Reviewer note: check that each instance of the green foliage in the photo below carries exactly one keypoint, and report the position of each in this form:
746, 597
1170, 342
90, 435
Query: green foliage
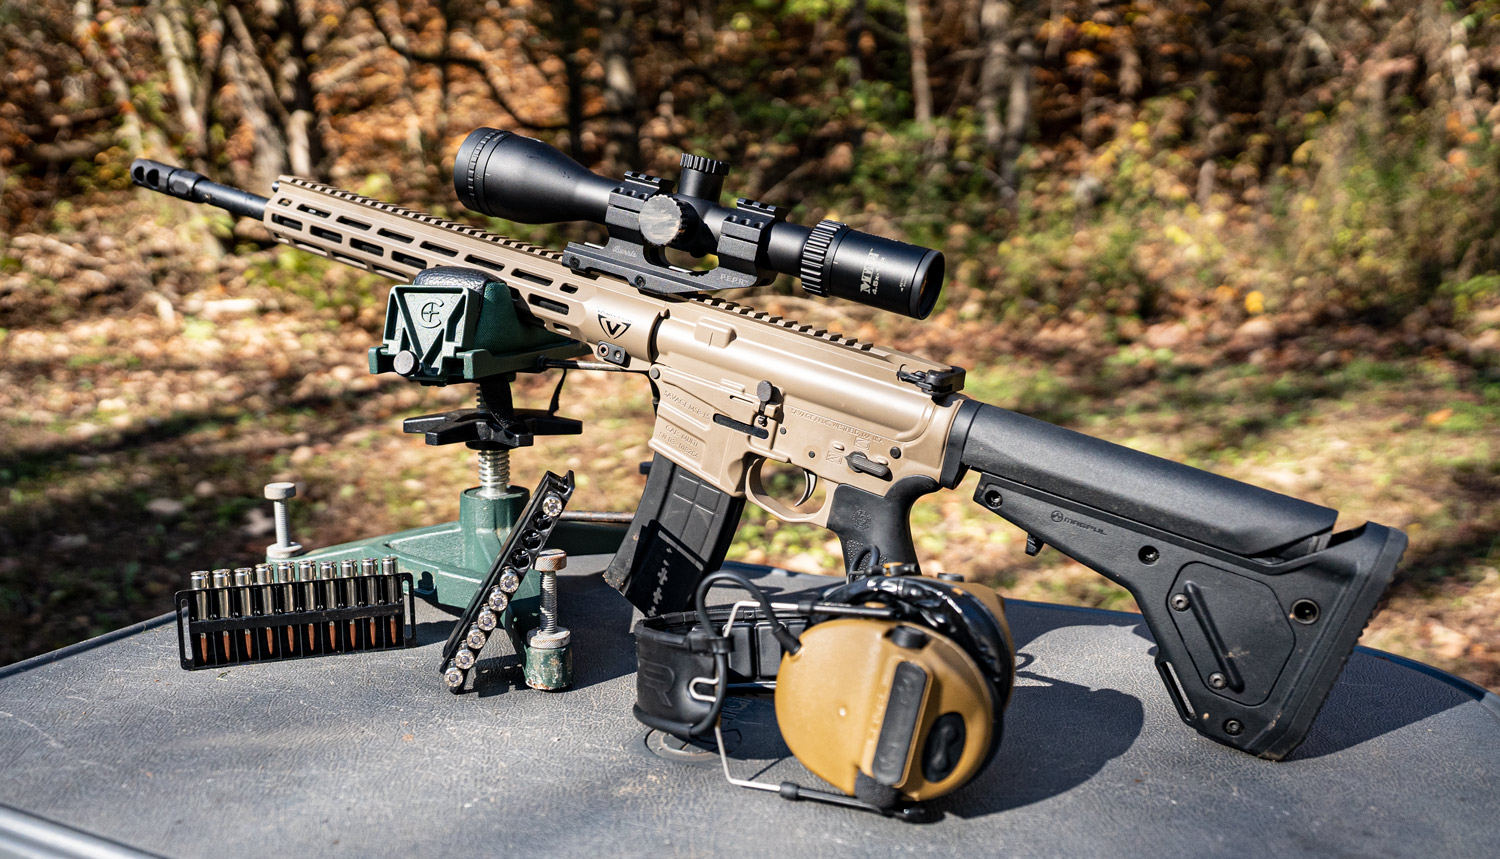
1384, 225
322, 282
1469, 294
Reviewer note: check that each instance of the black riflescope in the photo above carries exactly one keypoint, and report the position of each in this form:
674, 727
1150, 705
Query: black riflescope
518, 178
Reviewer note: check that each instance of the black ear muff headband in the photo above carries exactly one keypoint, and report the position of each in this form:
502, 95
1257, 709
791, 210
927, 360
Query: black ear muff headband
946, 608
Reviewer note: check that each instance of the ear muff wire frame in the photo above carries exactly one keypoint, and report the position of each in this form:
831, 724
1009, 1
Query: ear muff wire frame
720, 681
791, 791
783, 610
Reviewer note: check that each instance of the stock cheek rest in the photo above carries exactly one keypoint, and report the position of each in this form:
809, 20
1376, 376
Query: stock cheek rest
1176, 498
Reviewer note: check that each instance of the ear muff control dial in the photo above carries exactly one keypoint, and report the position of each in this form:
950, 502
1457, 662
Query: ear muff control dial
944, 747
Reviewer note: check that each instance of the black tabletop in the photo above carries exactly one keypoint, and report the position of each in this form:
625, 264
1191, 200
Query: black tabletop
368, 753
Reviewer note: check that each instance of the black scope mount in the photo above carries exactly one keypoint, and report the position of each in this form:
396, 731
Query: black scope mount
518, 178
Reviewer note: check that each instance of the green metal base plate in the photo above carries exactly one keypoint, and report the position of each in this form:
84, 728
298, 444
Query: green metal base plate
448, 561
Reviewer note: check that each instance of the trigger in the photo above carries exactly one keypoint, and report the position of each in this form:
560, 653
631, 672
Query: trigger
810, 485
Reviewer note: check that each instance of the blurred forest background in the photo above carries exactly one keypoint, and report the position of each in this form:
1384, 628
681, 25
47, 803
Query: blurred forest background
1258, 236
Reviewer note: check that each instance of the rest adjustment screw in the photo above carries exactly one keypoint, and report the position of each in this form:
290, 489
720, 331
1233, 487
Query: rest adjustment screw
284, 548
549, 648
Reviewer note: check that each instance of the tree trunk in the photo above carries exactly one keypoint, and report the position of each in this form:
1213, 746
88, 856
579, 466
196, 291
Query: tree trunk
1311, 44
193, 130
269, 159
994, 32
565, 15
391, 27
1017, 118
210, 40
1463, 69
853, 32
86, 34
1130, 65
440, 122
704, 22
304, 146
615, 21
1207, 103
921, 84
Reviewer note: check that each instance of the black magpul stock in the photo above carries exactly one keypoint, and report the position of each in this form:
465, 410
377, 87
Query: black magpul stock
1253, 601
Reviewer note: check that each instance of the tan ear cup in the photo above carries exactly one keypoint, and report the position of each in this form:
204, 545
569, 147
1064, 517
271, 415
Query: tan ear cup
881, 709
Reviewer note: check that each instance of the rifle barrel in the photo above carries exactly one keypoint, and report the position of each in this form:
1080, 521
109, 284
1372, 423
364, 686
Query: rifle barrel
195, 188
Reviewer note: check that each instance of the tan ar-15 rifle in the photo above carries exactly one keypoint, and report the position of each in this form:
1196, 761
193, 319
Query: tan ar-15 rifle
1253, 601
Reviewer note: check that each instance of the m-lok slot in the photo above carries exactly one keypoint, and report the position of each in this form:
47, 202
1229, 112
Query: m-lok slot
536, 279
496, 267
408, 259
546, 303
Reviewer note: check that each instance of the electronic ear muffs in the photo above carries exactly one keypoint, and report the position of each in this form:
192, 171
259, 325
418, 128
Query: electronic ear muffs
885, 711
890, 688
901, 710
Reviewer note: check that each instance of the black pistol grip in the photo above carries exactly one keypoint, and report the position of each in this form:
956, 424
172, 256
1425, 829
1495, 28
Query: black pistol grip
680, 534
876, 529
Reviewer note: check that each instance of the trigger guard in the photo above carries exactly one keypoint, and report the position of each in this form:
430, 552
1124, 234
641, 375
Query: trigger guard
797, 513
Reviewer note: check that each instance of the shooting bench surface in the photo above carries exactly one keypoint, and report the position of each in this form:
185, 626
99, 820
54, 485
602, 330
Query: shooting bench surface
369, 754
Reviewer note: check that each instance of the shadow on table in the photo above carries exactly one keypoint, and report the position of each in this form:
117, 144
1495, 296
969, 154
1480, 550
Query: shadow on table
1364, 704
1057, 736
433, 631
1373, 698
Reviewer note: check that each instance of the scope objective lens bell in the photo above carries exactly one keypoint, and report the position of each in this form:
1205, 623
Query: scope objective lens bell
518, 178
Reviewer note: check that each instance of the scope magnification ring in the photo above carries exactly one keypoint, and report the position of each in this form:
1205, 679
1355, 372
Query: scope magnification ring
815, 255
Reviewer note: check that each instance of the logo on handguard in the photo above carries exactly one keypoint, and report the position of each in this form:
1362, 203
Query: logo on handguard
612, 326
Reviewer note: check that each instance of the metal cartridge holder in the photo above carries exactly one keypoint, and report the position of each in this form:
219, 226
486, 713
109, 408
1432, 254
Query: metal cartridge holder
492, 606
292, 610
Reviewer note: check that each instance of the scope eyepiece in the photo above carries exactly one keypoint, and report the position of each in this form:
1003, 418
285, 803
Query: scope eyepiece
847, 263
521, 179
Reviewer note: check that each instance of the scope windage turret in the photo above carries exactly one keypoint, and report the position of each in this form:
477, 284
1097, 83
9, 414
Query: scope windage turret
518, 178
